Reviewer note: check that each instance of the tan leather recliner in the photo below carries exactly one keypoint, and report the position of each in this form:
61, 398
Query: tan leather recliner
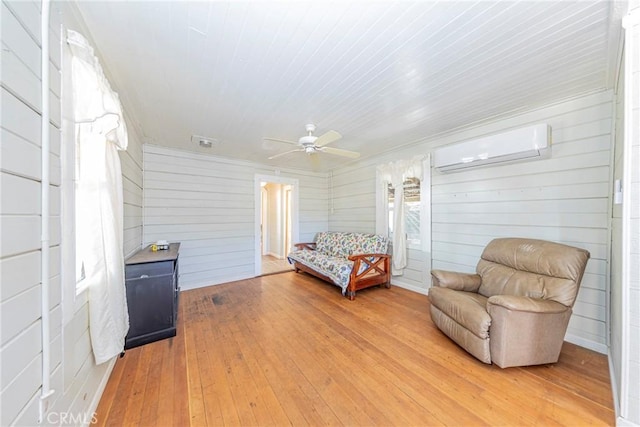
516, 309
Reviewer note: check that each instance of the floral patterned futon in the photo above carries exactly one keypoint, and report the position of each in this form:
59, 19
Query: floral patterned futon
332, 251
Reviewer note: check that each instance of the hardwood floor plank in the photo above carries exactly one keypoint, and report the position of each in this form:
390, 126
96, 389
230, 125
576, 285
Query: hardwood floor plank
368, 389
412, 384
369, 344
240, 389
264, 388
279, 347
149, 412
136, 401
288, 349
341, 396
212, 380
589, 365
177, 346
167, 380
496, 398
110, 391
195, 398
116, 414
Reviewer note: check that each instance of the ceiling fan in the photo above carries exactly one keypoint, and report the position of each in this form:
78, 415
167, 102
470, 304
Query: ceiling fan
311, 144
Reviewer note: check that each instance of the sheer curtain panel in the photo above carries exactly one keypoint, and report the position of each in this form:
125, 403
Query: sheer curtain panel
395, 174
100, 132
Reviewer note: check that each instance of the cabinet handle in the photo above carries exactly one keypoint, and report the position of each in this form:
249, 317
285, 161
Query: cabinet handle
144, 276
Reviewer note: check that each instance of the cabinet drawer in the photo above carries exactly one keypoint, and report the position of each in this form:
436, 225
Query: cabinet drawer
136, 271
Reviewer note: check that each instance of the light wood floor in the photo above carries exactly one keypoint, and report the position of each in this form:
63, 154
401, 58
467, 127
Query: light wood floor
288, 349
272, 265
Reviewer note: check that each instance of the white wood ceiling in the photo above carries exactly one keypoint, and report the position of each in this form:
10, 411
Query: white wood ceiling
381, 73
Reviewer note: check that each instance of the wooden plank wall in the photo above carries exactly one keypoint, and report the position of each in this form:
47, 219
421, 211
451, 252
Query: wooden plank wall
632, 196
74, 376
207, 204
616, 283
131, 164
20, 169
565, 198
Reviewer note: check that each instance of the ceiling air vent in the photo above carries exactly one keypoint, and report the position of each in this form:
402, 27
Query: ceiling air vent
203, 141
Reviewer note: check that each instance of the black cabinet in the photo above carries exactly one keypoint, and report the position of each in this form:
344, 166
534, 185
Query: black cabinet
152, 295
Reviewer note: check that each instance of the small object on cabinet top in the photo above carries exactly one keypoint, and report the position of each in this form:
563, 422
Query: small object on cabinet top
148, 255
162, 245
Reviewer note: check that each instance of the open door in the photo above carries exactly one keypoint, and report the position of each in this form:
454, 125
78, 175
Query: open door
264, 194
276, 222
287, 232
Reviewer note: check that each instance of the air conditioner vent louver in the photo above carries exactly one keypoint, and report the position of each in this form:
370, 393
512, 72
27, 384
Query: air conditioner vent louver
532, 142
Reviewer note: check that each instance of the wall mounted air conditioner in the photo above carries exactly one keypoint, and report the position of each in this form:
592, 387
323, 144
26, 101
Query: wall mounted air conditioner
532, 142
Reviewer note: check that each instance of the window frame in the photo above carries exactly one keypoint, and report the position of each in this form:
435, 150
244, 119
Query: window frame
412, 243
74, 294
382, 210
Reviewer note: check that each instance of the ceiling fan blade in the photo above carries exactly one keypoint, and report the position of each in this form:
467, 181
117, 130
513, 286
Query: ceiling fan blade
315, 162
327, 138
340, 152
283, 154
281, 140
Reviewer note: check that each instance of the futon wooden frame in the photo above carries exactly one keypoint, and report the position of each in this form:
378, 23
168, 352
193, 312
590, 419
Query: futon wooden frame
377, 270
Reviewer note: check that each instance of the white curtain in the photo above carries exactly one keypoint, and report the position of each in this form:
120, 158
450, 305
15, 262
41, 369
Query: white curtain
396, 173
100, 133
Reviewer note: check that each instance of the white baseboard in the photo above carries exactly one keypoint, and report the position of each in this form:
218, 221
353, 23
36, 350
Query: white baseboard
623, 422
600, 348
95, 400
278, 256
614, 388
217, 282
401, 284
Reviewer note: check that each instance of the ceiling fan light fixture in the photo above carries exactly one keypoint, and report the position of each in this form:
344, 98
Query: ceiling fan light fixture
311, 144
307, 140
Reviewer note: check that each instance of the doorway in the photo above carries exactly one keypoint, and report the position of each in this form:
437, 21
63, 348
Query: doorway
276, 223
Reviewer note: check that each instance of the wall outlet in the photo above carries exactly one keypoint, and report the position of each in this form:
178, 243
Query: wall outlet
617, 192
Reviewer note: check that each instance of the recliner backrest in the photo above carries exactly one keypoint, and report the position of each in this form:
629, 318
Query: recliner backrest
534, 268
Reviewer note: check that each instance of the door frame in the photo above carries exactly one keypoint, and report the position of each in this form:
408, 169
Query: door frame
258, 178
264, 234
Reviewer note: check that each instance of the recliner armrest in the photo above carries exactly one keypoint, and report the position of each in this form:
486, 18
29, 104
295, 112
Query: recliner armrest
456, 281
528, 304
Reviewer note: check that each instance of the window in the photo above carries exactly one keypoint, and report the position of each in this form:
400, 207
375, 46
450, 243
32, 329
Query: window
415, 175
80, 273
412, 211
95, 132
